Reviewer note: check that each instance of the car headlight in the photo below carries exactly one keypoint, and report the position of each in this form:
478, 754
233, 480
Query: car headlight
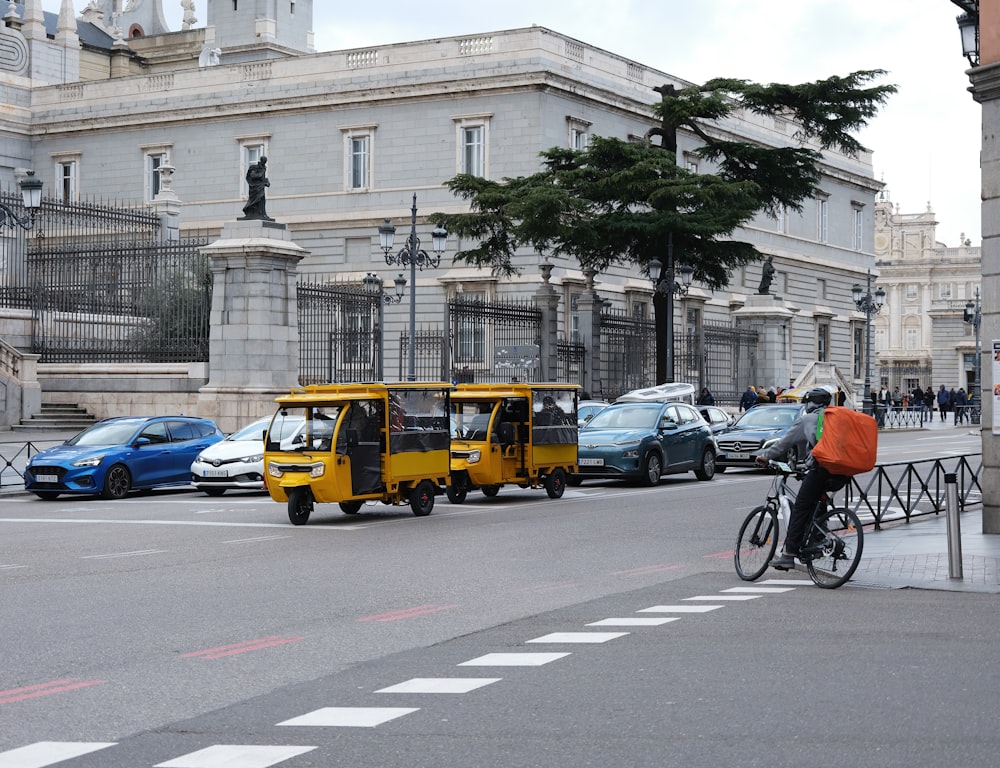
632, 454
769, 443
253, 459
90, 461
628, 442
199, 459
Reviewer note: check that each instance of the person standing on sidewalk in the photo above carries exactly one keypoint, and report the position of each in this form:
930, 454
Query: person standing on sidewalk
943, 401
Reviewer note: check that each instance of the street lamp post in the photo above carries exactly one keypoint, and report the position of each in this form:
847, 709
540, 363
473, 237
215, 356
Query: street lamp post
372, 284
667, 286
871, 306
410, 254
973, 315
31, 197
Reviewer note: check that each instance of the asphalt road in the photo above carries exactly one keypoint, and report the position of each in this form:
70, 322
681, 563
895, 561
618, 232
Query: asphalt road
182, 631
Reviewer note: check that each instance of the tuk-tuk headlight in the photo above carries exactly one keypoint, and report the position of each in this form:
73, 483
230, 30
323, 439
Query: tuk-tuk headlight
317, 470
274, 470
474, 457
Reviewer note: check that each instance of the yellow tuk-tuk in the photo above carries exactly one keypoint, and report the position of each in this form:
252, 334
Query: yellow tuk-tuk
525, 434
353, 443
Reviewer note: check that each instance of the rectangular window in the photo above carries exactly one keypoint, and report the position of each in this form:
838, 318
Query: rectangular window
574, 318
359, 162
912, 339
822, 219
859, 352
579, 133
822, 342
67, 181
153, 158
911, 292
472, 150
357, 341
252, 150
944, 290
859, 228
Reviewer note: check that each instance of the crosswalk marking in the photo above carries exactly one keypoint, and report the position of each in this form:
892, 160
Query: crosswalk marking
760, 590
350, 717
235, 756
723, 597
680, 609
43, 753
633, 621
440, 685
513, 660
578, 637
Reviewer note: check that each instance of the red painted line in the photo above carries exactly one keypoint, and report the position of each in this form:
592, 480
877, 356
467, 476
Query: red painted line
727, 553
45, 689
647, 569
407, 613
244, 647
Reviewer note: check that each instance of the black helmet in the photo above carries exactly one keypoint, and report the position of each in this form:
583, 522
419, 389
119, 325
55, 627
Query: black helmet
817, 395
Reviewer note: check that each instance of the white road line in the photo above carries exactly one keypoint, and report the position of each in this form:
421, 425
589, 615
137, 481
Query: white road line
195, 523
723, 597
136, 553
578, 637
440, 685
760, 590
255, 538
633, 621
45, 753
513, 660
350, 717
230, 755
680, 609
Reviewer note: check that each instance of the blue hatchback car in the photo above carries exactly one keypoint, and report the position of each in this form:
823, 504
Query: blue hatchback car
121, 454
644, 441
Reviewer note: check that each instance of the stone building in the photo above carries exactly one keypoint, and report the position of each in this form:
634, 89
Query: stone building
921, 337
97, 104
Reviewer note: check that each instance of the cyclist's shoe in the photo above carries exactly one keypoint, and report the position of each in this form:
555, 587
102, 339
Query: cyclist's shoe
784, 562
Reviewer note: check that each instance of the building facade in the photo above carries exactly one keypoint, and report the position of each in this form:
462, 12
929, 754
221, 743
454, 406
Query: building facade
352, 135
921, 336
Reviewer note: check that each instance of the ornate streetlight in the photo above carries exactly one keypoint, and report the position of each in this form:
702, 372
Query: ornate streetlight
31, 197
372, 284
973, 315
666, 285
968, 28
871, 306
410, 254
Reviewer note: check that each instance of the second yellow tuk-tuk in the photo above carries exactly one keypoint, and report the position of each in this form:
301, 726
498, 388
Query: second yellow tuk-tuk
352, 443
520, 434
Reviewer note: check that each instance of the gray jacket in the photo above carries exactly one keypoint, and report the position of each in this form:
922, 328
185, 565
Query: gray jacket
804, 426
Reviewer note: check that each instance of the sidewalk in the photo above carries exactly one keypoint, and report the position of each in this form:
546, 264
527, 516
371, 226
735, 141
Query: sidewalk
900, 555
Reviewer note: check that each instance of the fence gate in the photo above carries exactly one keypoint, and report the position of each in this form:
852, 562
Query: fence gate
493, 342
628, 351
719, 356
102, 287
340, 332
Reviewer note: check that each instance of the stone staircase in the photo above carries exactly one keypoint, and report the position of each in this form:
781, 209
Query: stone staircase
56, 417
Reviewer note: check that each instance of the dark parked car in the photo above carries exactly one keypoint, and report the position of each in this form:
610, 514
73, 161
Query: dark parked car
756, 429
121, 454
717, 418
643, 441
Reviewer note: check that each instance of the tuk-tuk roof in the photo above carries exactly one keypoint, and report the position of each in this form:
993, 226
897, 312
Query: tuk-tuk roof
507, 390
320, 393
673, 391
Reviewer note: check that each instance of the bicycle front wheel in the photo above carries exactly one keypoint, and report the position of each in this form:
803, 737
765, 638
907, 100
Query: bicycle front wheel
757, 542
840, 551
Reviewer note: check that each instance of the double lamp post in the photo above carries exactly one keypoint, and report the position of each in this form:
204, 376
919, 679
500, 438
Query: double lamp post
870, 305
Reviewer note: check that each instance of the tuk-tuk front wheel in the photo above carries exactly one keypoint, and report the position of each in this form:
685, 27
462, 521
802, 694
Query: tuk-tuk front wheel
351, 507
300, 504
555, 483
458, 489
422, 498
489, 491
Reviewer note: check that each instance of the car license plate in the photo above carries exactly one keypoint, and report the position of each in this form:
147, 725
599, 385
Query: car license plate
216, 473
740, 455
591, 462
47, 478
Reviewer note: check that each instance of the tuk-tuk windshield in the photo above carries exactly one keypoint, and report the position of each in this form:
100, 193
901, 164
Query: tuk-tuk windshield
303, 428
554, 417
471, 420
418, 420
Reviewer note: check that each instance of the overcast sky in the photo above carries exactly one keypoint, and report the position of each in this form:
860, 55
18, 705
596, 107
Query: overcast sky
925, 141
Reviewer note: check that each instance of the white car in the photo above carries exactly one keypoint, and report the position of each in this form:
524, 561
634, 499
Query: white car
234, 463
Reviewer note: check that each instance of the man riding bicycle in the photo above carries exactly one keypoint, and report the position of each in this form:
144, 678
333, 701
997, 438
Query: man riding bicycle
817, 480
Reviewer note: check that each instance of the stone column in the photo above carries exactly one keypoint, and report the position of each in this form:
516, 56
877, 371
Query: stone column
254, 336
547, 300
771, 318
986, 90
588, 309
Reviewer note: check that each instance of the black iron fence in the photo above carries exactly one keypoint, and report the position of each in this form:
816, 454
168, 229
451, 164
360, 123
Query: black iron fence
340, 332
628, 351
906, 489
428, 355
493, 342
720, 356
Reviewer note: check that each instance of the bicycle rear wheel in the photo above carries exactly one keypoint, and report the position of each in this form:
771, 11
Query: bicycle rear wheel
757, 542
840, 541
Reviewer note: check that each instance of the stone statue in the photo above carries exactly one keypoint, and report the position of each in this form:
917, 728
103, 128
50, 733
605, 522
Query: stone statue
189, 18
767, 275
256, 201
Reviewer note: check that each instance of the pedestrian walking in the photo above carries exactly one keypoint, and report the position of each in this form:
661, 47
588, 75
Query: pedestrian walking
943, 401
748, 399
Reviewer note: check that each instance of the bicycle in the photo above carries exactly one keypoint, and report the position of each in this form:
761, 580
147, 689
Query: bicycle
833, 542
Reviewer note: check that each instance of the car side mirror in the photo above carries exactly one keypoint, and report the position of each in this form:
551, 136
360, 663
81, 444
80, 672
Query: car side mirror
668, 425
141, 441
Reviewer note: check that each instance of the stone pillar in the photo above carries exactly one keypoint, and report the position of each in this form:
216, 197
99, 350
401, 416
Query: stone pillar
547, 300
254, 336
986, 90
588, 309
771, 318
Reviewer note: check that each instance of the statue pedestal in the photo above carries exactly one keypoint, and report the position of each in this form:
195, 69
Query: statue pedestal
254, 334
770, 316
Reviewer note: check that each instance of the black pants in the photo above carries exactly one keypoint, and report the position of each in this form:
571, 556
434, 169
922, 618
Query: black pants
816, 482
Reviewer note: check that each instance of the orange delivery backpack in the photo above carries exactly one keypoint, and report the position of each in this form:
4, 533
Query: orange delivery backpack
846, 441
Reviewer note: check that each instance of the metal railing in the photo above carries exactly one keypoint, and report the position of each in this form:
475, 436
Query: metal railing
14, 457
903, 490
